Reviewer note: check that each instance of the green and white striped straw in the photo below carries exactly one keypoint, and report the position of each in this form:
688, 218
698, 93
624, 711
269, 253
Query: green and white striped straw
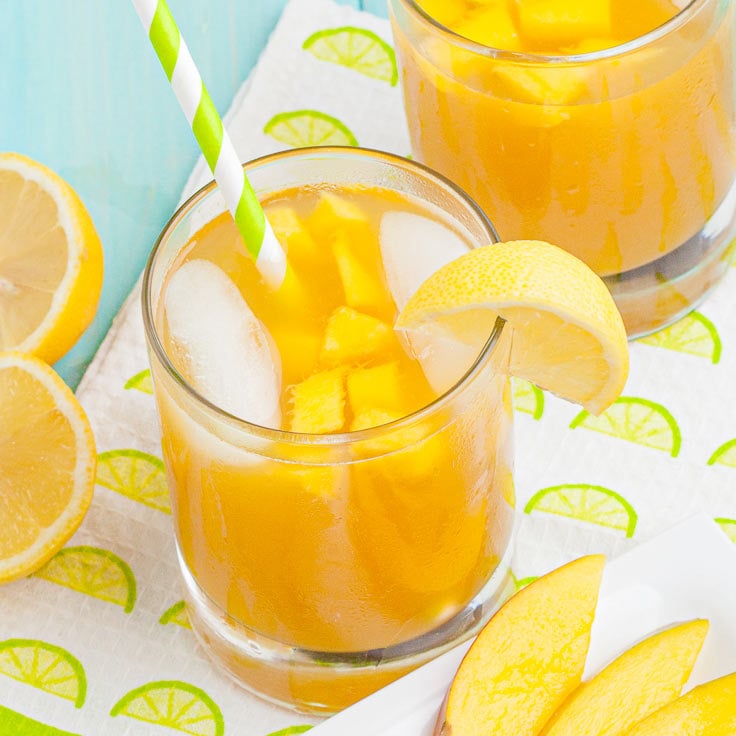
218, 150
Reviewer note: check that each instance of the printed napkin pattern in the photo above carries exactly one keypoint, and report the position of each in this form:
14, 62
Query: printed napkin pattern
98, 641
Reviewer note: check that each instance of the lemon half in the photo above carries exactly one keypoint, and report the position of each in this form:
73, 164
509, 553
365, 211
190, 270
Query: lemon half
47, 464
51, 262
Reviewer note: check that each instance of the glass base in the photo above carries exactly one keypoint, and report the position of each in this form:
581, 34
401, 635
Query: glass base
324, 682
659, 293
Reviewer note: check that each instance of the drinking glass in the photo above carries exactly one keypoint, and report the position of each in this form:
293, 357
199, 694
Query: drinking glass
318, 568
623, 156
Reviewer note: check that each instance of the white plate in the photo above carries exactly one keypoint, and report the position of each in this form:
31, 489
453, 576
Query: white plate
688, 572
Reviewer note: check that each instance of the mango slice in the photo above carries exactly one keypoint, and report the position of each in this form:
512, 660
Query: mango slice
528, 658
319, 403
643, 679
707, 710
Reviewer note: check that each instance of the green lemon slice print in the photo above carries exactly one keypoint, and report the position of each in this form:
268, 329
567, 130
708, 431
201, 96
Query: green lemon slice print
725, 455
635, 420
141, 382
134, 474
588, 503
356, 48
173, 704
302, 128
44, 666
93, 571
728, 526
176, 614
291, 731
694, 334
520, 583
528, 398
13, 723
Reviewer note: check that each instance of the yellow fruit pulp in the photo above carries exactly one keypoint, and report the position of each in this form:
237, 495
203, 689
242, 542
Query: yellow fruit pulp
47, 464
707, 710
367, 546
643, 679
50, 261
550, 27
617, 161
529, 657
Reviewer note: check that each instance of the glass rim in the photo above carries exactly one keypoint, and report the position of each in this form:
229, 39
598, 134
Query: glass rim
640, 42
302, 438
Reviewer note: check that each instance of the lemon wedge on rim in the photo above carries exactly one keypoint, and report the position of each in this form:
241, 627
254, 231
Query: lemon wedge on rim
568, 335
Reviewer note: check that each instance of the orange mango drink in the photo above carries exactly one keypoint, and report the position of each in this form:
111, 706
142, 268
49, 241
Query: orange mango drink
342, 497
604, 126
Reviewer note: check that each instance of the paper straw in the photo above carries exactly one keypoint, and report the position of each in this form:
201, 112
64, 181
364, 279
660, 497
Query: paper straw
218, 150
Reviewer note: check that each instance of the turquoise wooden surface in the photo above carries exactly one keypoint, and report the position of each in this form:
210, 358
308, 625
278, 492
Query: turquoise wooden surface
83, 93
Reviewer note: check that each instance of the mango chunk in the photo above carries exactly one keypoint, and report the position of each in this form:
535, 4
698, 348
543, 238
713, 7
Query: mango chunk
444, 12
303, 348
292, 233
491, 26
334, 213
326, 481
293, 296
378, 387
352, 337
543, 85
361, 281
551, 23
402, 447
319, 403
406, 453
374, 417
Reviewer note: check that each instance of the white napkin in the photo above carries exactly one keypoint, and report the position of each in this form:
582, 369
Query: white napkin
122, 651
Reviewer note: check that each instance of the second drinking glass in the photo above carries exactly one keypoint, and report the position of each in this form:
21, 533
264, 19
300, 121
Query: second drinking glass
608, 130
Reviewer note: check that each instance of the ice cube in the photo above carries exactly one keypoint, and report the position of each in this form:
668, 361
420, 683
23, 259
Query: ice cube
414, 247
444, 361
220, 346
